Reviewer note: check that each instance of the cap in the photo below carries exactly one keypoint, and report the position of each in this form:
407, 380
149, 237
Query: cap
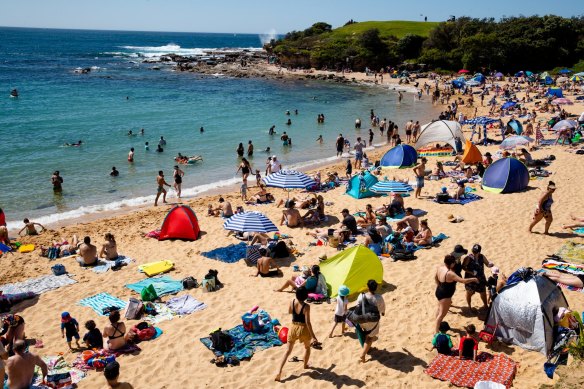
343, 291
444, 326
487, 154
495, 270
458, 249
273, 157
65, 316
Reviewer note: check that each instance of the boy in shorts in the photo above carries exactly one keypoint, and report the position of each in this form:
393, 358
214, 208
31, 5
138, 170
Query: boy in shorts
70, 329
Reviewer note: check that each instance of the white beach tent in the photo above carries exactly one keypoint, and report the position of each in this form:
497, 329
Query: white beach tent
440, 131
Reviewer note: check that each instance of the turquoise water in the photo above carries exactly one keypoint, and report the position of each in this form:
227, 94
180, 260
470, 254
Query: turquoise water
56, 105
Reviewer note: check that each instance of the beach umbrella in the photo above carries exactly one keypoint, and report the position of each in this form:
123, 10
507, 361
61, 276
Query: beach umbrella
514, 141
576, 78
463, 71
480, 120
391, 187
499, 75
528, 73
563, 124
562, 100
565, 71
509, 104
250, 222
289, 179
581, 74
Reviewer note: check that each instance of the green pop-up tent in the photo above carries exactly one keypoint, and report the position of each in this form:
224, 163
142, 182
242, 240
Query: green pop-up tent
352, 267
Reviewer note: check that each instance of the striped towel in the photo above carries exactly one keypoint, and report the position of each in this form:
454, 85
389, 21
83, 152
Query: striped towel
102, 300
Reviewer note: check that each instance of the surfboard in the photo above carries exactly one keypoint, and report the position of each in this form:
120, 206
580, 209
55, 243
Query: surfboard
154, 268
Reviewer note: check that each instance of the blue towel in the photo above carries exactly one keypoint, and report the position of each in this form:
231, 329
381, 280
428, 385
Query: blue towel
229, 254
579, 230
468, 198
102, 300
163, 285
103, 265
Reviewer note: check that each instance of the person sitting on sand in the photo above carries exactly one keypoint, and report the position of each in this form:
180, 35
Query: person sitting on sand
30, 228
438, 172
264, 265
316, 211
394, 208
260, 238
111, 374
468, 346
409, 220
579, 222
295, 282
460, 191
12, 330
369, 217
115, 332
291, 216
262, 196
383, 228
109, 249
4, 239
349, 221
373, 240
224, 209
20, 367
87, 253
424, 236
488, 160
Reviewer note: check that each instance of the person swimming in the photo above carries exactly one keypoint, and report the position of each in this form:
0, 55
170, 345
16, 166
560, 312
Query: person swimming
73, 144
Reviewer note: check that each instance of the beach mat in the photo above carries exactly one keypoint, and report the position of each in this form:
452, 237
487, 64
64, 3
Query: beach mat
163, 313
103, 265
468, 198
102, 300
57, 365
229, 254
185, 305
572, 252
399, 216
38, 285
435, 240
465, 373
162, 284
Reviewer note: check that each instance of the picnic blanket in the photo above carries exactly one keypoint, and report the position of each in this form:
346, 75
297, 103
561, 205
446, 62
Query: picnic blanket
162, 284
565, 267
163, 313
129, 348
102, 300
229, 254
185, 305
570, 251
468, 198
38, 285
57, 365
103, 265
246, 343
498, 368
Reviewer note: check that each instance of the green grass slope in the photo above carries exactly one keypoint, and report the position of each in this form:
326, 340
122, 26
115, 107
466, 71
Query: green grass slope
397, 28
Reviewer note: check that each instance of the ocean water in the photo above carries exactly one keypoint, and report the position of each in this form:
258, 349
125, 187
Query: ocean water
121, 93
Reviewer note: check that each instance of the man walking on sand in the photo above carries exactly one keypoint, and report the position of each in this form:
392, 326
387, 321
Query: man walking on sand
420, 171
161, 183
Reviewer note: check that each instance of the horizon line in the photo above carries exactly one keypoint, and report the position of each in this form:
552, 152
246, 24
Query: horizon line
118, 30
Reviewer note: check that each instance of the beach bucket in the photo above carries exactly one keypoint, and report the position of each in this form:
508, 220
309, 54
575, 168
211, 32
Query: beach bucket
87, 355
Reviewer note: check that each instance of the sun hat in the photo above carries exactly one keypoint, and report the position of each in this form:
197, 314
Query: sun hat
343, 291
458, 249
444, 326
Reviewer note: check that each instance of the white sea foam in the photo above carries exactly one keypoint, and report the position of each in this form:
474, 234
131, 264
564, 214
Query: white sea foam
268, 36
172, 48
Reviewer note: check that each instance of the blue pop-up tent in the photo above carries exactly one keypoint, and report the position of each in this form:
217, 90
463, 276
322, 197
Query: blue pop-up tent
506, 175
515, 126
399, 157
555, 92
359, 185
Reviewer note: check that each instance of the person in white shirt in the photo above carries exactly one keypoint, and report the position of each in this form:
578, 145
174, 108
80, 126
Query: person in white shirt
275, 165
341, 309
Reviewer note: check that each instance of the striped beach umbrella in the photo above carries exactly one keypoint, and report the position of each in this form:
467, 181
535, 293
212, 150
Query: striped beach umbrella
576, 78
480, 120
250, 222
514, 141
289, 179
391, 187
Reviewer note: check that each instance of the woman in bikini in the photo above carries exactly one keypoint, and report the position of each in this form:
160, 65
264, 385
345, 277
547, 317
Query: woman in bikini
301, 329
424, 236
544, 209
369, 218
446, 281
109, 250
115, 332
245, 168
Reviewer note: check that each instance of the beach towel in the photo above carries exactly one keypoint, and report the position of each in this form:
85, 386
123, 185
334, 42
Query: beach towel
468, 198
399, 216
579, 230
246, 343
38, 285
162, 284
103, 265
102, 300
435, 240
570, 252
229, 254
498, 368
163, 313
129, 348
185, 305
57, 365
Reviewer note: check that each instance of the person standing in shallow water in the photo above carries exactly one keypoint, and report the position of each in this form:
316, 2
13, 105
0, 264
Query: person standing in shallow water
240, 150
57, 181
249, 148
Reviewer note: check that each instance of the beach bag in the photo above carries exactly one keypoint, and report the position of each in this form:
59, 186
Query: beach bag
61, 380
402, 255
189, 283
135, 309
221, 341
251, 322
213, 274
144, 331
280, 250
252, 254
58, 269
149, 293
364, 312
208, 285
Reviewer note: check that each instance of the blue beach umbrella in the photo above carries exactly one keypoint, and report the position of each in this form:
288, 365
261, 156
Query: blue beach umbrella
391, 187
480, 120
565, 71
289, 179
509, 104
250, 222
515, 126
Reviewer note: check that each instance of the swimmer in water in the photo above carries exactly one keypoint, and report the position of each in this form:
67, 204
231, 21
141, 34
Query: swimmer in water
114, 172
142, 132
130, 133
272, 130
289, 122
202, 130
267, 150
74, 144
146, 146
319, 139
159, 149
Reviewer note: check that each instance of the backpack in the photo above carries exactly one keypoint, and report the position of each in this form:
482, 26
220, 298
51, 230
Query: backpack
58, 269
364, 312
149, 293
221, 341
135, 309
402, 255
189, 283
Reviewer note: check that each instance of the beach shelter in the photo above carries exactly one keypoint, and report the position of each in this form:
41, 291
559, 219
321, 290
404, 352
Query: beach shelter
471, 154
565, 71
440, 131
180, 223
352, 267
515, 126
399, 157
545, 78
555, 92
359, 185
479, 77
523, 313
506, 175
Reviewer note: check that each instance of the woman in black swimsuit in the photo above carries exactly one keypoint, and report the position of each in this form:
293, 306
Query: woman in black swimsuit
178, 175
115, 332
301, 329
240, 150
245, 168
446, 281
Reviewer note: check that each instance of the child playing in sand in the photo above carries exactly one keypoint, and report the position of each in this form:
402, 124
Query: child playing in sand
468, 346
93, 338
70, 328
442, 341
341, 309
30, 227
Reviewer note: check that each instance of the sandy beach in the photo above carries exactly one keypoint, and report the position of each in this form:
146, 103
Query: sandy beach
499, 222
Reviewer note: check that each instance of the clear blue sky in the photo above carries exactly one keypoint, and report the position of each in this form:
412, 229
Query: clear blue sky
255, 16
